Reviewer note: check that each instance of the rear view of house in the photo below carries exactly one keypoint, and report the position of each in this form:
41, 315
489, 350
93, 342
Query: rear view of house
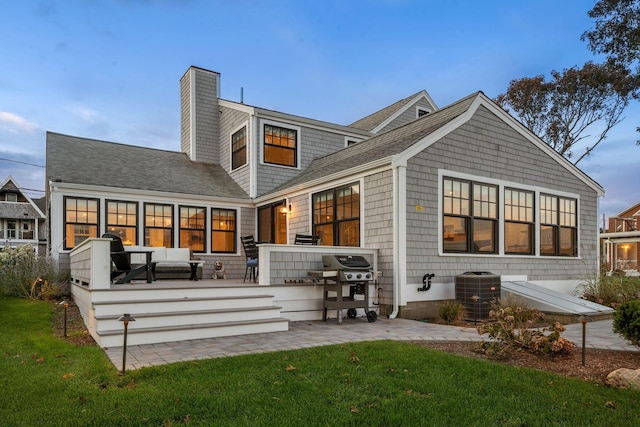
417, 190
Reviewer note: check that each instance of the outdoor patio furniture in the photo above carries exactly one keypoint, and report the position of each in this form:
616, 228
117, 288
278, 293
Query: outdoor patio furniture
123, 271
251, 251
307, 239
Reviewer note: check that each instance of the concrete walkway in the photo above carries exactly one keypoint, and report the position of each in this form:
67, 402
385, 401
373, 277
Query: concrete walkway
306, 334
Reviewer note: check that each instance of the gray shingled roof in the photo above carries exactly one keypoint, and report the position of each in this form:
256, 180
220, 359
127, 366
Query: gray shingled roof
18, 211
384, 145
372, 120
87, 161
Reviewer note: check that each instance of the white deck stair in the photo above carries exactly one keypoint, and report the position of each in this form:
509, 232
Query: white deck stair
164, 315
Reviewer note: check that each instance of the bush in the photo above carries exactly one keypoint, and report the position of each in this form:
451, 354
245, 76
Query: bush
24, 275
610, 290
451, 311
519, 328
626, 321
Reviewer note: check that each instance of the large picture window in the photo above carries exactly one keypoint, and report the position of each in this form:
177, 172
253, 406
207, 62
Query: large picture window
518, 222
280, 146
81, 220
470, 217
558, 226
192, 228
239, 148
223, 230
336, 216
122, 220
158, 225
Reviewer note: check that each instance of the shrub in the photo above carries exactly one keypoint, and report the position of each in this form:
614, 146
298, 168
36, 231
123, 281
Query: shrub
610, 290
626, 321
519, 328
24, 275
451, 311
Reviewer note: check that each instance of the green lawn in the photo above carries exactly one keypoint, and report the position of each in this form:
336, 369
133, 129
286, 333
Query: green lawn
47, 381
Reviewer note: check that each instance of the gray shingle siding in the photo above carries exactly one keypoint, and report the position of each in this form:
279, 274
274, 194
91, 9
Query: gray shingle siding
378, 232
487, 147
207, 117
185, 114
407, 116
230, 121
313, 143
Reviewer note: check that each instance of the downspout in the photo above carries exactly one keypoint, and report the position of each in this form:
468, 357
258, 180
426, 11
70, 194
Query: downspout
399, 239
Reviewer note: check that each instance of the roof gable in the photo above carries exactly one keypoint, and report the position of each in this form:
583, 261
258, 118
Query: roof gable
376, 121
402, 143
15, 210
631, 211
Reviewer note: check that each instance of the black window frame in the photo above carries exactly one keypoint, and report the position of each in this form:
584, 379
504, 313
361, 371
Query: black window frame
270, 217
216, 228
108, 224
335, 214
239, 148
279, 147
191, 210
516, 213
155, 217
66, 200
470, 216
560, 221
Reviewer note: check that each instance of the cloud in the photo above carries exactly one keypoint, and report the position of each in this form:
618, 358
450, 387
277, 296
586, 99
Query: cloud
87, 115
15, 124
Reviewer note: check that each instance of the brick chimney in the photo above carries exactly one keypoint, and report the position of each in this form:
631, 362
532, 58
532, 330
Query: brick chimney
200, 115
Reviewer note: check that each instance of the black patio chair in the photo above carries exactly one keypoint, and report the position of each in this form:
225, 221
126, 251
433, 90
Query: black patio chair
251, 251
307, 239
123, 271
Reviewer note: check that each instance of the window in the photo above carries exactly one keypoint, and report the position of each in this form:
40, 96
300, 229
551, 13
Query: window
280, 146
558, 226
11, 229
336, 216
11, 197
81, 220
239, 148
158, 225
192, 228
470, 217
272, 223
122, 220
518, 222
223, 230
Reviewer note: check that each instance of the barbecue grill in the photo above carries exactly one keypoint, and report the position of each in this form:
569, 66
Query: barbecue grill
347, 270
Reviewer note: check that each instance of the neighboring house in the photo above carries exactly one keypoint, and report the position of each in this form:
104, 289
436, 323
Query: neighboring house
443, 191
22, 221
620, 241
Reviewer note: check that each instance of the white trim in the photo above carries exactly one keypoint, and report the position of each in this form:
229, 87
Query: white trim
502, 184
283, 125
348, 139
31, 202
246, 147
426, 110
252, 154
422, 95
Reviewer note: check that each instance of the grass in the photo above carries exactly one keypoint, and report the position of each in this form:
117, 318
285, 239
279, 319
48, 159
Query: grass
48, 381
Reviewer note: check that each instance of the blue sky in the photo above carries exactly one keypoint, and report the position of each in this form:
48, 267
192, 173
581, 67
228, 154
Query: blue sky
110, 70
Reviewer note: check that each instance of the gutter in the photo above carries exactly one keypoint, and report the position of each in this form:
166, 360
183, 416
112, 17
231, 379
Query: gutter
399, 239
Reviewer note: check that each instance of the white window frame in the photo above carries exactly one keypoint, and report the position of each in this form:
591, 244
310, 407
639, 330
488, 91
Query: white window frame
246, 154
419, 109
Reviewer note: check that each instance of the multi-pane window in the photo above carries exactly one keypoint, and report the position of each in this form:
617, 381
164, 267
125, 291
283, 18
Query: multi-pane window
223, 230
122, 220
470, 216
192, 228
239, 148
81, 220
158, 225
558, 226
518, 222
336, 216
280, 146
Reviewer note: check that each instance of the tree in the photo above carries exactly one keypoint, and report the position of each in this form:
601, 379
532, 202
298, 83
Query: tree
617, 35
617, 31
576, 100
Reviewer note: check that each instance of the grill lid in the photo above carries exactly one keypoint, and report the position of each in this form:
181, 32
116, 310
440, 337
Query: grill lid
341, 262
